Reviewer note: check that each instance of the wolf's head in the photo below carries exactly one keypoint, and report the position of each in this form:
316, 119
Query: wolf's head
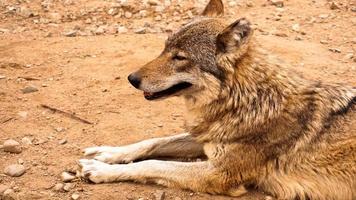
188, 65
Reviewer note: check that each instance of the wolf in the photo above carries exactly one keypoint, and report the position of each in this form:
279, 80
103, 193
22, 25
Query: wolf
257, 125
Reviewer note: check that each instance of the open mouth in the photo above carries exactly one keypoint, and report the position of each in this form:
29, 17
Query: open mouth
170, 91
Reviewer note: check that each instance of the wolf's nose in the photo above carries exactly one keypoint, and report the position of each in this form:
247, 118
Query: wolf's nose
134, 80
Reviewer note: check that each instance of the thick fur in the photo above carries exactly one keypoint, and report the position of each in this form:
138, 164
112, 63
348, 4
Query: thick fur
258, 124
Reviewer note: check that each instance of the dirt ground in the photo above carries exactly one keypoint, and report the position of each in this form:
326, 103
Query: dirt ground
87, 75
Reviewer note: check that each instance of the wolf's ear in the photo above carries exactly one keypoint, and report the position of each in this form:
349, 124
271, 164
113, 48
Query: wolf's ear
214, 8
235, 38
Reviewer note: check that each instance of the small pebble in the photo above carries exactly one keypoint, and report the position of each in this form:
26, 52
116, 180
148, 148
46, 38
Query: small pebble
67, 187
160, 195
334, 6
335, 50
67, 177
22, 114
9, 194
140, 31
2, 77
296, 27
59, 129
324, 42
26, 141
12, 146
20, 161
71, 33
348, 56
3, 188
15, 170
58, 187
75, 196
29, 89
277, 3
62, 142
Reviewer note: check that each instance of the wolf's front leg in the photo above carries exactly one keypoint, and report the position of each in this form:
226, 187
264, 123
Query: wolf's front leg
195, 176
183, 145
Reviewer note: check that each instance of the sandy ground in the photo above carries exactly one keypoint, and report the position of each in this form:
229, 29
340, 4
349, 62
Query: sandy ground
87, 76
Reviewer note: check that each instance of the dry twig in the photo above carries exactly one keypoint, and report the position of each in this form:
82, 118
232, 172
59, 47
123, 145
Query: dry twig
27, 78
70, 115
7, 120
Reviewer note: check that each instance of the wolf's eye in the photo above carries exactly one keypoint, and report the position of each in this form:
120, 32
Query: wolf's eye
179, 57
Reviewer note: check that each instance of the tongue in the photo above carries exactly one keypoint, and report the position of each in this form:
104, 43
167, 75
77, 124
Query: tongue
147, 94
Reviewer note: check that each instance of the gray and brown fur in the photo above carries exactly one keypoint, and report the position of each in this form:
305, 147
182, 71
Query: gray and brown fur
259, 125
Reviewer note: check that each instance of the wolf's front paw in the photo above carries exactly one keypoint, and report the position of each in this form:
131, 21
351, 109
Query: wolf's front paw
97, 172
112, 155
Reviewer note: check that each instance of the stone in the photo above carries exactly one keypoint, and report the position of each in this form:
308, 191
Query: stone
67, 177
296, 27
70, 33
298, 38
25, 12
63, 141
113, 11
153, 2
177, 18
12, 146
100, 30
88, 21
158, 18
4, 30
349, 56
159, 9
26, 141
323, 16
15, 170
3, 188
190, 14
128, 14
124, 3
232, 4
22, 114
140, 30
334, 6
29, 89
249, 4
75, 196
122, 29
281, 34
9, 194
59, 129
143, 13
2, 77
58, 187
55, 17
324, 42
68, 2
67, 187
268, 198
38, 141
277, 3
160, 195
335, 50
